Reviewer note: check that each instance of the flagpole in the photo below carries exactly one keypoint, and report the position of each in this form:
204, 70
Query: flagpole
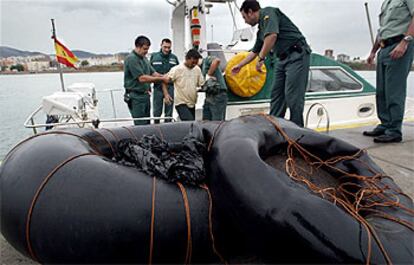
57, 61
369, 23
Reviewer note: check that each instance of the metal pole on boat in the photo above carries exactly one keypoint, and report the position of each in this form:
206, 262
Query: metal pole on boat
58, 64
369, 23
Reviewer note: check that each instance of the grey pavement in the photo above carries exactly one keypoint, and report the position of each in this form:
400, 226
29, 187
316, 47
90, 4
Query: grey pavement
396, 159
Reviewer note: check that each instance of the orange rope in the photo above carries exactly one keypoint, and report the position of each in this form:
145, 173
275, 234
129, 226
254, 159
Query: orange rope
53, 132
188, 220
210, 223
106, 140
36, 196
158, 127
111, 132
372, 193
131, 133
152, 222
210, 144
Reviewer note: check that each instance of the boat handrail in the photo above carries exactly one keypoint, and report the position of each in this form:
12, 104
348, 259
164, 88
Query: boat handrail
328, 120
222, 50
110, 90
30, 123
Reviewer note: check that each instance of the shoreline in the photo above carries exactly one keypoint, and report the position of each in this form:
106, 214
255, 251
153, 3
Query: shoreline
112, 70
76, 72
56, 72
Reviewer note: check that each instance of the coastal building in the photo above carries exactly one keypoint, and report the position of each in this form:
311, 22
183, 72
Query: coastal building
329, 53
103, 60
38, 66
343, 58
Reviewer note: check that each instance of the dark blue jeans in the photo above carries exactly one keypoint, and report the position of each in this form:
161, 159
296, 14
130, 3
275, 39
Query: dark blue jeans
186, 113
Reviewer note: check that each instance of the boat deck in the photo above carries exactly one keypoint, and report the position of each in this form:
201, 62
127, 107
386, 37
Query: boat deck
395, 159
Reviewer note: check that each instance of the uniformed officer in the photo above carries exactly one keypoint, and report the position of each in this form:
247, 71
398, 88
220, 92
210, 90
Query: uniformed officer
395, 58
162, 62
138, 74
278, 33
215, 104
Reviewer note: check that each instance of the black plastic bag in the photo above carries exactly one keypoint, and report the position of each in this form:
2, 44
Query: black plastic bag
174, 162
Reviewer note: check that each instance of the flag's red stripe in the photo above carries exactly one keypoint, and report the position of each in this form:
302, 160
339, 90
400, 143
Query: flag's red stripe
68, 52
64, 61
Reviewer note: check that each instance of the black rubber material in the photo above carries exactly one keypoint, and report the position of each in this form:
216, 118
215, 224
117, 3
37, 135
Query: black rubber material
93, 210
278, 220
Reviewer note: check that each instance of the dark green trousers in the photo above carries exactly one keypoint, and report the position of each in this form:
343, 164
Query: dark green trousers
158, 103
289, 86
392, 88
214, 108
140, 108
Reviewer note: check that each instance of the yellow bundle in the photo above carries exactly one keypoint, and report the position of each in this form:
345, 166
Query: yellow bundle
248, 82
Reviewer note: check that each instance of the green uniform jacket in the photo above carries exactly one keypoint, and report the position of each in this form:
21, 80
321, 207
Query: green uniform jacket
162, 63
272, 20
134, 67
395, 17
205, 66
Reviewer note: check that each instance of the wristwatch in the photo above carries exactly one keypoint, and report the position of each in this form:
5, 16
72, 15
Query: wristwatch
408, 38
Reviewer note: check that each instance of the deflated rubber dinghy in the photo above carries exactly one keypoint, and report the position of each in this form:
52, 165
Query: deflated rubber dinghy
290, 195
64, 200
274, 193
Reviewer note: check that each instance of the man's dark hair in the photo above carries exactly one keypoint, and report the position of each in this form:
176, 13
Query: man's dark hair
193, 54
141, 41
166, 40
252, 5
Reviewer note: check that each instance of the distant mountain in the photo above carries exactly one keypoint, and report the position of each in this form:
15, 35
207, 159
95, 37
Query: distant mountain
11, 52
83, 54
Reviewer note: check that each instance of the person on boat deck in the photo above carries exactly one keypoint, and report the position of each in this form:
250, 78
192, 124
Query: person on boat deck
277, 33
215, 104
395, 57
187, 77
138, 74
162, 62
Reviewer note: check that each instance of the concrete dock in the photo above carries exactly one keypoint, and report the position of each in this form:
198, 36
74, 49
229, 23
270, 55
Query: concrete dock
396, 159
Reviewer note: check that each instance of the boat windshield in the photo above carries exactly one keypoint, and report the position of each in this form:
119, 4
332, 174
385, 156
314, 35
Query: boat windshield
331, 80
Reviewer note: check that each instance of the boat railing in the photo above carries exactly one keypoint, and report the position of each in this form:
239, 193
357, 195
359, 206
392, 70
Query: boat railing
30, 122
111, 91
320, 112
222, 50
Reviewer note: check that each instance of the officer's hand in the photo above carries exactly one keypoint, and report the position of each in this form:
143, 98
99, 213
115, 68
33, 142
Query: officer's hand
168, 99
235, 70
259, 66
399, 50
371, 58
210, 77
165, 79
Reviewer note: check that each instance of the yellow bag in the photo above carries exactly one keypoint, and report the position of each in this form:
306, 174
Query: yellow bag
248, 82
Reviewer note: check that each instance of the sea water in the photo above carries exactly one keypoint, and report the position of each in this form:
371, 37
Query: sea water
20, 95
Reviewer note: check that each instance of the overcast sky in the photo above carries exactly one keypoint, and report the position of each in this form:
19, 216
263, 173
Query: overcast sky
110, 26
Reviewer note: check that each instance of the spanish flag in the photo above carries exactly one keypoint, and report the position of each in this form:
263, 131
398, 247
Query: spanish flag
64, 55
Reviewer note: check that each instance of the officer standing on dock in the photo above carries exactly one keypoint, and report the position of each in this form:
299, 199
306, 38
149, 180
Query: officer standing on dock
162, 62
395, 40
138, 74
278, 33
